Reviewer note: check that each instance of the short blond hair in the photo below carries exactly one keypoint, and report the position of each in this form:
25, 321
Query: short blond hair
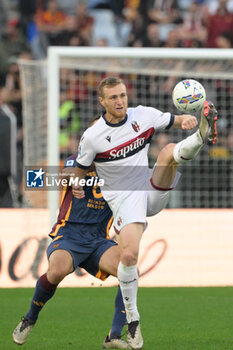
109, 82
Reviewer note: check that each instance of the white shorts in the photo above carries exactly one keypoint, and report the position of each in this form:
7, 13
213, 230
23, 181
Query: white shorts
135, 206
130, 207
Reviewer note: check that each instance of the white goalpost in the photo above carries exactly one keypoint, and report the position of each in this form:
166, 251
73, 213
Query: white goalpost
68, 82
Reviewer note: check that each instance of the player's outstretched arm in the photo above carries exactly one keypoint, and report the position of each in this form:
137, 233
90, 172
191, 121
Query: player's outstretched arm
185, 122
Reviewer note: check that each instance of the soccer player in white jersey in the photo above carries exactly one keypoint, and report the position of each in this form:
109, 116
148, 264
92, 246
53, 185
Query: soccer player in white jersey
118, 144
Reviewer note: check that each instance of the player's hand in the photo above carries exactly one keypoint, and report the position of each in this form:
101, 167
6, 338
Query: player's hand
188, 122
78, 192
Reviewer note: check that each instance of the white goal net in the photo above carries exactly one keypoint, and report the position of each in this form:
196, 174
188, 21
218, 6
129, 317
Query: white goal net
150, 75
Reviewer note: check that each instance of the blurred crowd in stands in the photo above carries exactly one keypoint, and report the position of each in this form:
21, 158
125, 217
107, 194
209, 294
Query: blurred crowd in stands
28, 27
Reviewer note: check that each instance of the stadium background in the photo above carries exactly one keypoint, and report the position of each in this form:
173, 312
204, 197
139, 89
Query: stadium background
188, 244
31, 27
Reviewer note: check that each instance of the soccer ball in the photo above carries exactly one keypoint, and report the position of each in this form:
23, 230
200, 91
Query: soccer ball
189, 96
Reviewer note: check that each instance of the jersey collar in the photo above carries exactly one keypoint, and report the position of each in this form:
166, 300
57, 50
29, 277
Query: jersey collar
115, 125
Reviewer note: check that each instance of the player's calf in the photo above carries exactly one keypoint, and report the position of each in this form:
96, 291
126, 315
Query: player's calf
189, 147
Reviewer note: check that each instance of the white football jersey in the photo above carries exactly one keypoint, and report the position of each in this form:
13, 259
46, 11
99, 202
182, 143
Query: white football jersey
119, 151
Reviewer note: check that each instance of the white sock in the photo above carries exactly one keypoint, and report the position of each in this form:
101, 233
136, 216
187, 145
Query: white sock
188, 148
128, 279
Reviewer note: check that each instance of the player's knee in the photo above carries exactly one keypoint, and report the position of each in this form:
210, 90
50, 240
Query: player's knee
56, 275
166, 155
129, 257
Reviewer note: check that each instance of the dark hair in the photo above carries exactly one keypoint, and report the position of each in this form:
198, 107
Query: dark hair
110, 82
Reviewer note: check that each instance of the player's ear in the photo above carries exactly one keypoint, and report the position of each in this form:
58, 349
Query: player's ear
101, 101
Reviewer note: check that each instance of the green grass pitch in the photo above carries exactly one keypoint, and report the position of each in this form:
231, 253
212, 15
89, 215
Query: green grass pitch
80, 318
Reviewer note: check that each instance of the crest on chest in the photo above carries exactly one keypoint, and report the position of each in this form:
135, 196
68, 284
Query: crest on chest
135, 126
